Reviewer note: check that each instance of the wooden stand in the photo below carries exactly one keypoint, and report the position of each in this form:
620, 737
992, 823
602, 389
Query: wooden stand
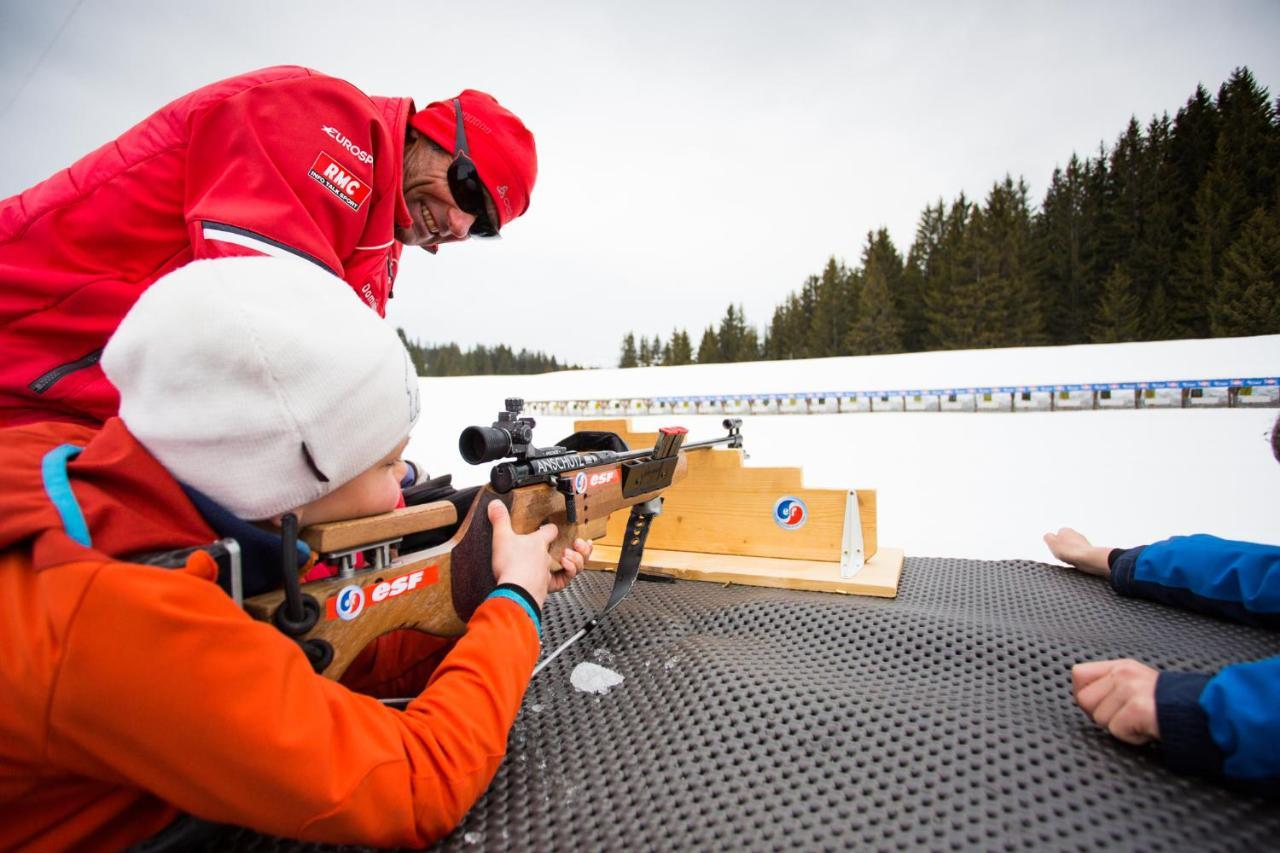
718, 525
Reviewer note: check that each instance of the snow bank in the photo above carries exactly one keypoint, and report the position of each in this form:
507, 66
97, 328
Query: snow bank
974, 485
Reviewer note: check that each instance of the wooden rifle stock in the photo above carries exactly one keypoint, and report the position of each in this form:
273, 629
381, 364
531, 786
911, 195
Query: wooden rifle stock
435, 590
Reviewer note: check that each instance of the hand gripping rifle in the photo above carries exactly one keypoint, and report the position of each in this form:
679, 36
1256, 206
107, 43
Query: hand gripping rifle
438, 588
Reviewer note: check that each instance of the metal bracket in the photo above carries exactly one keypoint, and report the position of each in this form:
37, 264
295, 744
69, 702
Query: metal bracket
852, 552
346, 560
236, 572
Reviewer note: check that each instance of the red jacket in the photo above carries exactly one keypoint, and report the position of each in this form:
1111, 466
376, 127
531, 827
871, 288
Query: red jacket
282, 160
130, 692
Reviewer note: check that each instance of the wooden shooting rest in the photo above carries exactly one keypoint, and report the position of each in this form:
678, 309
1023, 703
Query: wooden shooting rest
717, 525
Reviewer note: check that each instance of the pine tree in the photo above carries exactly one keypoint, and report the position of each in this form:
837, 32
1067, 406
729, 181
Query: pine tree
681, 349
729, 338
1247, 300
922, 267
1157, 316
1241, 178
416, 353
829, 317
993, 300
1018, 298
786, 338
1161, 239
776, 345
628, 357
946, 268
750, 348
801, 320
709, 349
877, 329
448, 361
645, 357
1118, 318
1060, 238
1191, 147
881, 252
655, 350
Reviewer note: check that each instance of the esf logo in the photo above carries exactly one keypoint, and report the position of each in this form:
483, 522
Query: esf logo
602, 479
351, 601
348, 603
580, 482
790, 513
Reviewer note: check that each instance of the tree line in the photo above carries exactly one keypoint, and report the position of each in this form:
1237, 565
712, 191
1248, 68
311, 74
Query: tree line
1172, 232
452, 360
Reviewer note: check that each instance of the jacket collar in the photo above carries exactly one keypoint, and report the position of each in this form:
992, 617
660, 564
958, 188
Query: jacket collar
260, 550
396, 112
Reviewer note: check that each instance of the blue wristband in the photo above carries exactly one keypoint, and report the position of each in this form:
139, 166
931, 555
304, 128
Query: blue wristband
511, 594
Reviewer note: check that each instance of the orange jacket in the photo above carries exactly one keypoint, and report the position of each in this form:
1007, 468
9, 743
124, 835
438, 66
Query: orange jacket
129, 693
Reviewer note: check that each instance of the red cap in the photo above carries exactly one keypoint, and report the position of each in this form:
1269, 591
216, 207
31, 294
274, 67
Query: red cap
501, 146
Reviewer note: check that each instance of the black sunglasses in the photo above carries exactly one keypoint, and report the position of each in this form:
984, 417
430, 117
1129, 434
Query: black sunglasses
464, 182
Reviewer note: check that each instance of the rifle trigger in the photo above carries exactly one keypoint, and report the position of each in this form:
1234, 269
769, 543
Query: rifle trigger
567, 487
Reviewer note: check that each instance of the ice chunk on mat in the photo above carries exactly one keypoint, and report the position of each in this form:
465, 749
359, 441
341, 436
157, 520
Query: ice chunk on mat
593, 678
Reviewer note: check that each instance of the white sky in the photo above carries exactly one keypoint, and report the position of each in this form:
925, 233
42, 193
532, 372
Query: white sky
690, 154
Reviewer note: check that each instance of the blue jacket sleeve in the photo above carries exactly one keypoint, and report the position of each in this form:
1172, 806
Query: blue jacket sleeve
1236, 580
1228, 723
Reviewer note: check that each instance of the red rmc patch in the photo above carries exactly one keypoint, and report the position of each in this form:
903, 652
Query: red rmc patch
340, 181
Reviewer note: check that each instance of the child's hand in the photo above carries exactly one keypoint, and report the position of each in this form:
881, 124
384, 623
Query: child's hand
572, 562
1072, 548
522, 559
1119, 695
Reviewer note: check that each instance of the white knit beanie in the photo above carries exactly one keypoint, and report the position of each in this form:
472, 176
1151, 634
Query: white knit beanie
263, 382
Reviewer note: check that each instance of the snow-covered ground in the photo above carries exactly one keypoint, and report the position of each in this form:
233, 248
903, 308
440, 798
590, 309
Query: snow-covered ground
960, 484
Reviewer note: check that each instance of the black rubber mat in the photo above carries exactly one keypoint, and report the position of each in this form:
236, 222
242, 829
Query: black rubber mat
763, 719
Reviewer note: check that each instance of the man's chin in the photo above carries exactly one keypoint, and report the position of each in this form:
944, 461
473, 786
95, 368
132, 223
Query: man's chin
408, 238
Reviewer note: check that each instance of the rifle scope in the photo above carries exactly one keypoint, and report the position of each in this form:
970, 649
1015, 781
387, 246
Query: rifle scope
510, 435
479, 444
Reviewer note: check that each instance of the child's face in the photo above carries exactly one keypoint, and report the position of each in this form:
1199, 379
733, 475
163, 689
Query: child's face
376, 490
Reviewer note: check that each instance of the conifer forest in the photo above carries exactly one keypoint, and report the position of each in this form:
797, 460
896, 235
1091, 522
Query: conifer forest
1171, 232
452, 360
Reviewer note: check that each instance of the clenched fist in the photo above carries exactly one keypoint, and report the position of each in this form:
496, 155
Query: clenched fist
1120, 696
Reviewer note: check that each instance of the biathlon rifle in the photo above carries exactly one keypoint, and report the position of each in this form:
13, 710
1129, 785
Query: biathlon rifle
438, 588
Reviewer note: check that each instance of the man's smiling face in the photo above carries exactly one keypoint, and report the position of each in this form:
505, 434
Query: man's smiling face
436, 216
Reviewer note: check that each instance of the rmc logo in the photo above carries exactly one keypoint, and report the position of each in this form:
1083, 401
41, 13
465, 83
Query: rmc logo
339, 180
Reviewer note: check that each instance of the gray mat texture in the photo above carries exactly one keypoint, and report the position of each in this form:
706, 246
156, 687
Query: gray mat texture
766, 719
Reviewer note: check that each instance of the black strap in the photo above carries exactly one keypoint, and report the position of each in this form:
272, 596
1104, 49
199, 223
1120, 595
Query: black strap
629, 560
624, 576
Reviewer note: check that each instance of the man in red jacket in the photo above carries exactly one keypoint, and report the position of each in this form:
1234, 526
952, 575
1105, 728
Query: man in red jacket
281, 161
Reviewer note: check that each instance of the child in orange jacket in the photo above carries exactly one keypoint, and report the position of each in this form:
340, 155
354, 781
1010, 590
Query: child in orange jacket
134, 693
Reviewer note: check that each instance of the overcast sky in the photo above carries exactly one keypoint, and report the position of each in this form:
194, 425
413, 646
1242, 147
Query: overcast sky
690, 154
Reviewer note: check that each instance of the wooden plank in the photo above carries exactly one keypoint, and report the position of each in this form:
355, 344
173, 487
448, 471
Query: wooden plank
879, 577
724, 507
345, 535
